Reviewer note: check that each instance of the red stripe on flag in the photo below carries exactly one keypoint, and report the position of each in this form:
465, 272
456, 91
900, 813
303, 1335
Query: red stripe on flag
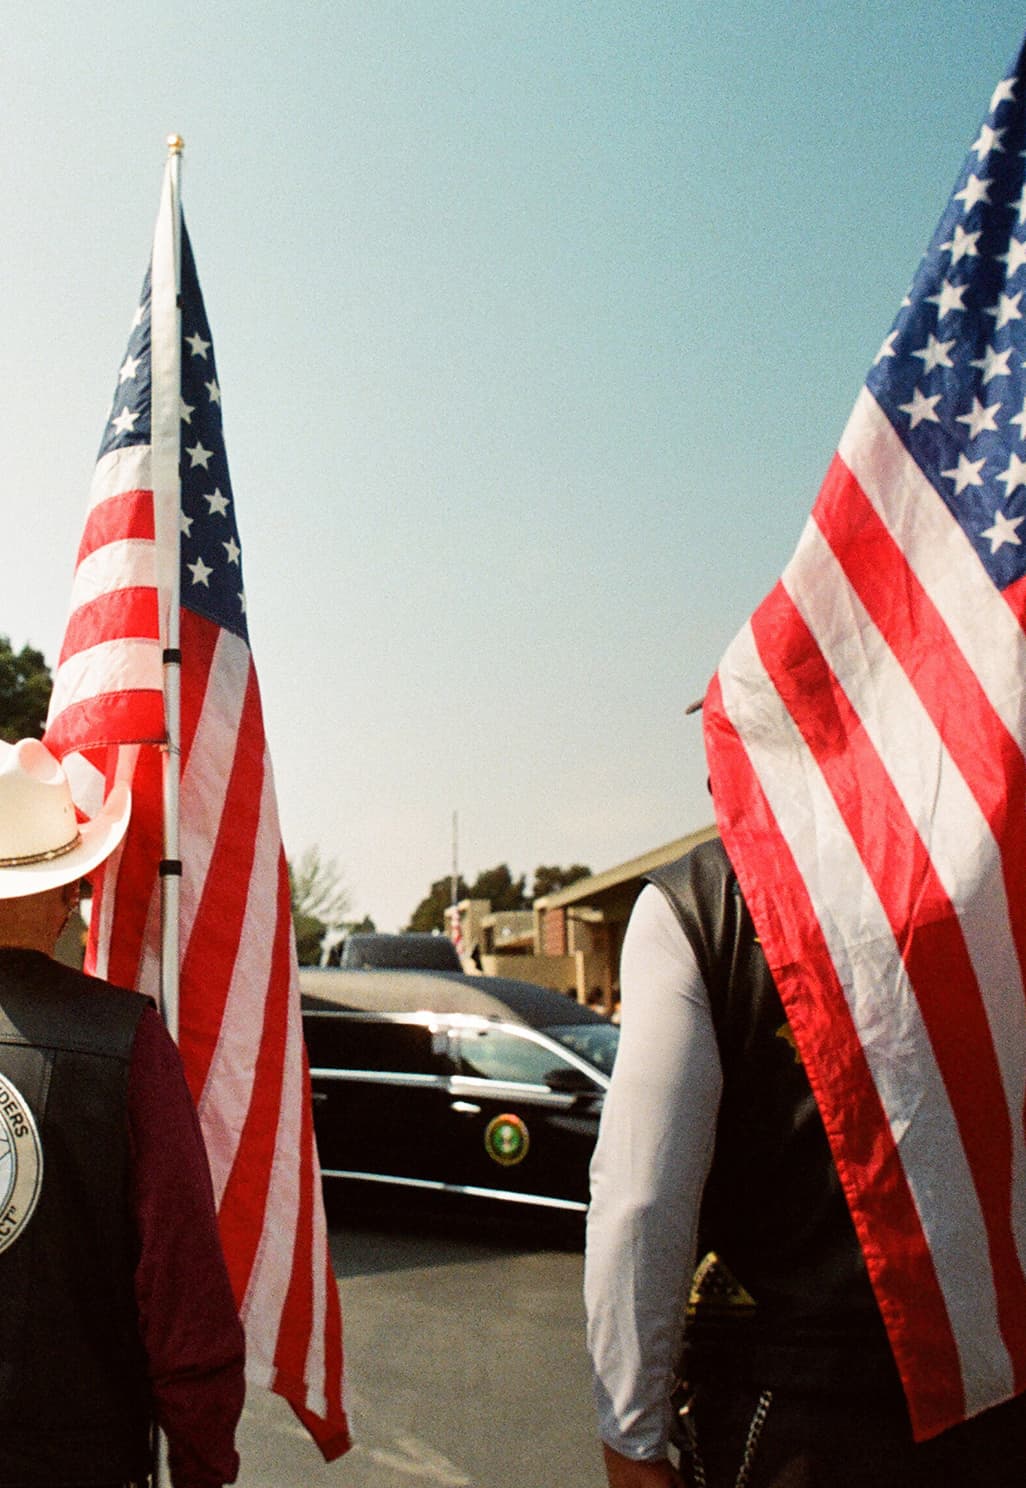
108, 718
199, 639
122, 613
897, 1257
128, 515
137, 873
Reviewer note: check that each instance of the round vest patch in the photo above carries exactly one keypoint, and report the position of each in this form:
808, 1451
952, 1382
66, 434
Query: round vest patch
21, 1163
507, 1140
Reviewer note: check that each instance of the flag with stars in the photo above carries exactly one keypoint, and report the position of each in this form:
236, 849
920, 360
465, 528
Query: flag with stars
866, 734
239, 1024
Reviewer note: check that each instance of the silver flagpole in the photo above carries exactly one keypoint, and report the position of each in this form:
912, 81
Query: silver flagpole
168, 499
165, 417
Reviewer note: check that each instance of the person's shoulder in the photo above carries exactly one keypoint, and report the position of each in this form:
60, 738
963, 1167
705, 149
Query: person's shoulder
85, 984
705, 861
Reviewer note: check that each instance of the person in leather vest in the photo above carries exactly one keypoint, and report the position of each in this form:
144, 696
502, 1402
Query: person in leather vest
116, 1310
711, 1146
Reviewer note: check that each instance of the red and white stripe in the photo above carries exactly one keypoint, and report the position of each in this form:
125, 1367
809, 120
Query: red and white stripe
109, 681
865, 737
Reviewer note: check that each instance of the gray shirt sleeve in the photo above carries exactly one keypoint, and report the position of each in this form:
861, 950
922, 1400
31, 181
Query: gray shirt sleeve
650, 1165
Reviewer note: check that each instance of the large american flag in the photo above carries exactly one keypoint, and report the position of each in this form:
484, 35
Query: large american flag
866, 734
239, 1025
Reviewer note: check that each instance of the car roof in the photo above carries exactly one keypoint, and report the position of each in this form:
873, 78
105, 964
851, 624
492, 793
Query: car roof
501, 998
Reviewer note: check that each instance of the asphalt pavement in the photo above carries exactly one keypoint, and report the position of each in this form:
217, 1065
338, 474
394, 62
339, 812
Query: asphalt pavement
465, 1362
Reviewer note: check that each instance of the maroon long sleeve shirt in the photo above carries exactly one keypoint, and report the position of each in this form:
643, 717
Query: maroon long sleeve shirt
187, 1316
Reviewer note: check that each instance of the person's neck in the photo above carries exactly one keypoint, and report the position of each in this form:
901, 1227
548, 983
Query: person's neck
25, 942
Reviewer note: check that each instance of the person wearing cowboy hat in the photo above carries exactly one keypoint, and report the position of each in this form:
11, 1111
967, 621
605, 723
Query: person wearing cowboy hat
116, 1310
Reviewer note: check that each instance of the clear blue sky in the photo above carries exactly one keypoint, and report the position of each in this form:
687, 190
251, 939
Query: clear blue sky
536, 324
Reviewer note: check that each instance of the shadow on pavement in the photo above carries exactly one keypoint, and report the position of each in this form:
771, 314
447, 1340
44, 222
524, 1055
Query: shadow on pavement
383, 1231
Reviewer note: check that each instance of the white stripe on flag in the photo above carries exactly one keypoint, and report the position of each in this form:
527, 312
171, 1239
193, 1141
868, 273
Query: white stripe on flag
111, 666
120, 470
208, 769
129, 563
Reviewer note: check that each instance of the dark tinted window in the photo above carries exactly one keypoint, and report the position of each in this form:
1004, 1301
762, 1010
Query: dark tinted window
409, 952
349, 1043
493, 1054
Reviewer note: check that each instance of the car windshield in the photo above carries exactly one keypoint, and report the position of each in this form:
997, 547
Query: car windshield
595, 1042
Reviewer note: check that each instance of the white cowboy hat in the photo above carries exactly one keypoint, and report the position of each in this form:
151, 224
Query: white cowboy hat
42, 843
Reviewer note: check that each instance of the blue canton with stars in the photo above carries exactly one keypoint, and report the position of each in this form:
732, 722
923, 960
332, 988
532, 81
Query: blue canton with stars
950, 376
210, 553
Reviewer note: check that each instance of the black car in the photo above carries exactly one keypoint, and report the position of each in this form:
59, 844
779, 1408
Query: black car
463, 1084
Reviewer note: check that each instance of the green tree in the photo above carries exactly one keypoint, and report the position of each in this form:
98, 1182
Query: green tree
25, 685
549, 880
430, 912
320, 902
497, 885
501, 889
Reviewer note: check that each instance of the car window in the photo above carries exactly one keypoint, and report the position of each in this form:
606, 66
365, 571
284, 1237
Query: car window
355, 1044
595, 1042
494, 1054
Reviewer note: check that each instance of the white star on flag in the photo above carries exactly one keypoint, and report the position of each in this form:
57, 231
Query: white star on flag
976, 189
1003, 93
125, 421
979, 418
200, 572
1014, 476
1006, 310
963, 245
948, 299
198, 346
966, 473
935, 353
993, 363
218, 503
989, 139
921, 408
1003, 531
1014, 259
198, 455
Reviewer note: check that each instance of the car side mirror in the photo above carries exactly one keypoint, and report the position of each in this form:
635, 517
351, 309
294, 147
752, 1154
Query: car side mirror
566, 1080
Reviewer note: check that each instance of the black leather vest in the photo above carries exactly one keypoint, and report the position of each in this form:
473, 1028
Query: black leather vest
773, 1208
74, 1405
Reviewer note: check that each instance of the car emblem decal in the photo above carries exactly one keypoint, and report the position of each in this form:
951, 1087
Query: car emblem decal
21, 1163
506, 1140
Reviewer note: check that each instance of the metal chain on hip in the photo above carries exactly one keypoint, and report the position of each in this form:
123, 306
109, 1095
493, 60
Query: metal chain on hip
755, 1426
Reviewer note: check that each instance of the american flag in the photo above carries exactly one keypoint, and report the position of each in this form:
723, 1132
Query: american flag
866, 734
239, 1026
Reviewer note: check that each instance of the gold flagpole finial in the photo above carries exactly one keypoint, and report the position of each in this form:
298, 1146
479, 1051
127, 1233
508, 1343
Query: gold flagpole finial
175, 144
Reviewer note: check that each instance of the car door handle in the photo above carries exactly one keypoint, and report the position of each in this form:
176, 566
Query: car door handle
465, 1108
